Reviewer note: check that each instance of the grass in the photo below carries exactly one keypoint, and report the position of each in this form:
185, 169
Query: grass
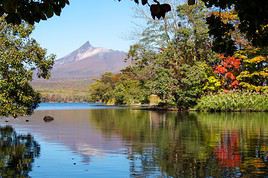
233, 101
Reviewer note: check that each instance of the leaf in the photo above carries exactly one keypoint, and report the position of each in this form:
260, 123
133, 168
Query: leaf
159, 10
13, 18
57, 10
49, 11
10, 6
144, 2
155, 10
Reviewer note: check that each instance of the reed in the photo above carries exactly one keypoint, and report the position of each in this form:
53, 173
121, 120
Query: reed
233, 101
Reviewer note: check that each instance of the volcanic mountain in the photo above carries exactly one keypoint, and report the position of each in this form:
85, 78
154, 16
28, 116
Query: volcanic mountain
77, 69
88, 62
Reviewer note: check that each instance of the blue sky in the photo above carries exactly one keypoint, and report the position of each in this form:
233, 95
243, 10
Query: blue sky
105, 23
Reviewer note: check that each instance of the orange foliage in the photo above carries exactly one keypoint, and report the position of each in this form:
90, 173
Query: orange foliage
228, 69
220, 70
235, 84
232, 62
230, 75
225, 16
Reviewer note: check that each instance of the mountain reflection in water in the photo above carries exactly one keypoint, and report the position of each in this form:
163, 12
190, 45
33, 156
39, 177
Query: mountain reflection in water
132, 143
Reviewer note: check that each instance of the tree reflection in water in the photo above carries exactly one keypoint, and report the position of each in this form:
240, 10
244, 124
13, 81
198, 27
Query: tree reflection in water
190, 145
17, 153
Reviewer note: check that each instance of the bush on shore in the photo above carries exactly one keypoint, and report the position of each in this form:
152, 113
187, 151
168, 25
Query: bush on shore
233, 101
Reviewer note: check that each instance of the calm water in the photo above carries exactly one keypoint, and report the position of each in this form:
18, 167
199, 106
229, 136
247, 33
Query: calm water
72, 106
99, 141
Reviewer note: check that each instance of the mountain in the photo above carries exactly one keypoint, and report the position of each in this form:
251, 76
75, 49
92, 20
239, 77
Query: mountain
88, 62
75, 71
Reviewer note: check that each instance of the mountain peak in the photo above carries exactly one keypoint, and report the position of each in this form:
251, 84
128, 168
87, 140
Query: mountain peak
86, 46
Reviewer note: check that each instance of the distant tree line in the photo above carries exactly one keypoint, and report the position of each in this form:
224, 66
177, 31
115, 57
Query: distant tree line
58, 98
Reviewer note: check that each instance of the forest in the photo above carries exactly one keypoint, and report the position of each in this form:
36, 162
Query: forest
186, 63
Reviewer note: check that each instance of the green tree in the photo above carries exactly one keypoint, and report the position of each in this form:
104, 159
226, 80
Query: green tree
175, 69
101, 90
20, 57
163, 84
120, 88
186, 59
192, 39
128, 91
192, 84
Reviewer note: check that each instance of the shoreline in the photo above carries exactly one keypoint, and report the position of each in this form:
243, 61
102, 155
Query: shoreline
156, 108
160, 109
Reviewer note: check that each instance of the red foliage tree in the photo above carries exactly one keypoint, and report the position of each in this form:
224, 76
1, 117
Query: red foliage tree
227, 70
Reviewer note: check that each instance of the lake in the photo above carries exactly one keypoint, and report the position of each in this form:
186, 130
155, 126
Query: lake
88, 140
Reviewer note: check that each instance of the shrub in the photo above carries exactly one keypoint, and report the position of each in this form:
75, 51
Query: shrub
233, 101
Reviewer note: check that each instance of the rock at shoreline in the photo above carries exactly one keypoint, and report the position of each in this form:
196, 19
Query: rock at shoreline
48, 119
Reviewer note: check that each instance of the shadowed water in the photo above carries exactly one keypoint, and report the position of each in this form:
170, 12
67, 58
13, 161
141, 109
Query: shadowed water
115, 142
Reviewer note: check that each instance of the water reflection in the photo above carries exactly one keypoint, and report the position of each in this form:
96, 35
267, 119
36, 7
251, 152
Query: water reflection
191, 145
17, 153
132, 143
